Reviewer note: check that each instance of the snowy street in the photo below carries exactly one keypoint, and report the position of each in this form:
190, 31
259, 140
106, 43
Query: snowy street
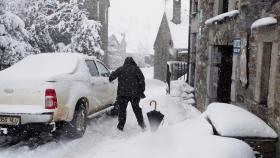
139, 79
179, 135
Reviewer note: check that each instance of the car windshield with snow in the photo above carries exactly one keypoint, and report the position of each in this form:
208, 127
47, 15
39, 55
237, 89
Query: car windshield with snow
54, 90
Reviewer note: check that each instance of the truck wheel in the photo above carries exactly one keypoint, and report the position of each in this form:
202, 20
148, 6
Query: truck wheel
77, 127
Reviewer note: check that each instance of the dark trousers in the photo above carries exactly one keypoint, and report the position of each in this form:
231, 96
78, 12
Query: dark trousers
122, 103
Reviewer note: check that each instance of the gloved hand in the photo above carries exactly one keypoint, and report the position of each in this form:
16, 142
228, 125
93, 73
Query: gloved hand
142, 95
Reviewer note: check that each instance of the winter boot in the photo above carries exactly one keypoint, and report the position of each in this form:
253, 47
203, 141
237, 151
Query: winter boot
120, 128
143, 126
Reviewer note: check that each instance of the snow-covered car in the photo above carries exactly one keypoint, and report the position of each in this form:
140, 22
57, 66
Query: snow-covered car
52, 89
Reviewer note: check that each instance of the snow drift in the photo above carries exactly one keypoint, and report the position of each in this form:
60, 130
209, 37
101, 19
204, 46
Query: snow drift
233, 121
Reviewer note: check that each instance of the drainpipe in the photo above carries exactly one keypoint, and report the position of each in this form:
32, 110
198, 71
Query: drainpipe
189, 43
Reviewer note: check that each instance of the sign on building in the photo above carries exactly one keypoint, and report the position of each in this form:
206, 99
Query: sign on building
236, 45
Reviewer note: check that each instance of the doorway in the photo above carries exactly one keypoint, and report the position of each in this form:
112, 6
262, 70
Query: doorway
225, 71
220, 71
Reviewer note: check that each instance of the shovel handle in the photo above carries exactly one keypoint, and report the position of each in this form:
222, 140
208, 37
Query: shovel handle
155, 103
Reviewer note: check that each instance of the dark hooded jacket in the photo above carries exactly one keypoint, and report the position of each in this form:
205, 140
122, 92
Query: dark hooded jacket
131, 81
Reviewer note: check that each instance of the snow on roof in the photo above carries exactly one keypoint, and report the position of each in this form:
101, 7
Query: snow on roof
183, 52
233, 121
176, 62
264, 22
179, 32
221, 17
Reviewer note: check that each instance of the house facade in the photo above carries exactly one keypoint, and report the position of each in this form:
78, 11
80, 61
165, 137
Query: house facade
237, 56
172, 38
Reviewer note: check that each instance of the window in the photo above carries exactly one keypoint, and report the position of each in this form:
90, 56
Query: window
225, 6
105, 16
265, 72
92, 68
194, 7
103, 71
222, 6
193, 42
98, 9
170, 43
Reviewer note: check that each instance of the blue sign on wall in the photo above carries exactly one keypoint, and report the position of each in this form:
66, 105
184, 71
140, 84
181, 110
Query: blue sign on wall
236, 45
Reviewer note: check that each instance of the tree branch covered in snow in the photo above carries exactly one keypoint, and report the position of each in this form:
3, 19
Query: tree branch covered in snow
46, 26
15, 41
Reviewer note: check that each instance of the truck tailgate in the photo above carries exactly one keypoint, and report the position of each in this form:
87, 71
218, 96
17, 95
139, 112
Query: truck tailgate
22, 93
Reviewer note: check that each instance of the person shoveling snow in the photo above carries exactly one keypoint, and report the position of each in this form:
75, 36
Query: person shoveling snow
131, 87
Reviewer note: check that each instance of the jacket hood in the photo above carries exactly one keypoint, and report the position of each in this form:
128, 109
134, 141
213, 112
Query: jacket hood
129, 61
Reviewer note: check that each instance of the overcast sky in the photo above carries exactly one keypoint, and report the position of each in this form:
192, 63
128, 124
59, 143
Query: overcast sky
139, 19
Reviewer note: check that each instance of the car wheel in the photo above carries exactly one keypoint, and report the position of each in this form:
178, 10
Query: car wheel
77, 127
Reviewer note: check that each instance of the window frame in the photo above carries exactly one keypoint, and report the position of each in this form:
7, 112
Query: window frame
89, 68
99, 71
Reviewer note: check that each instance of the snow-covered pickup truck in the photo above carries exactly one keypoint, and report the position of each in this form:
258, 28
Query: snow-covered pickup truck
49, 89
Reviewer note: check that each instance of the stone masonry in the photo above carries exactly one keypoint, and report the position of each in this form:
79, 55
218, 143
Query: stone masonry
261, 93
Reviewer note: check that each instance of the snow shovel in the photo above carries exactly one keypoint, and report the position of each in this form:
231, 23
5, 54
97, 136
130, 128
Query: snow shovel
155, 117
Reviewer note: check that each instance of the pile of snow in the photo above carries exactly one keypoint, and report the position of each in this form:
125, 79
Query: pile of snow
179, 137
264, 22
233, 121
191, 138
221, 17
180, 88
184, 92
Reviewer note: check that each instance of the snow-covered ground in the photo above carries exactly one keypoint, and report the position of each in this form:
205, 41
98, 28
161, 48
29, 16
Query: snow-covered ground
179, 136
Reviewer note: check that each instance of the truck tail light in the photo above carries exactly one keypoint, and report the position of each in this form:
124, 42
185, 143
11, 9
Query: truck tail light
50, 99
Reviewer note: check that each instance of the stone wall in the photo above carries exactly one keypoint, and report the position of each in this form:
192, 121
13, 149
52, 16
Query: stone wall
206, 12
224, 33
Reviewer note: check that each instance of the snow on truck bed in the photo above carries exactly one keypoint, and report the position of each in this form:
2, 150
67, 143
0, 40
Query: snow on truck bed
42, 66
233, 121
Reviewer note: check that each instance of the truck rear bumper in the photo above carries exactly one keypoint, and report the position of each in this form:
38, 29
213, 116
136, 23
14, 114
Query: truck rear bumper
26, 113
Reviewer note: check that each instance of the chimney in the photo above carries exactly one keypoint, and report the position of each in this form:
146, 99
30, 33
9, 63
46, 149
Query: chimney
176, 11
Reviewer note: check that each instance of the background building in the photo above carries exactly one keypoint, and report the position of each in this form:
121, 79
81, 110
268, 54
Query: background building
172, 38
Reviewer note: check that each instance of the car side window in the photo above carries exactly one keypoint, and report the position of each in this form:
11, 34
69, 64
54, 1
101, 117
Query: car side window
92, 68
103, 71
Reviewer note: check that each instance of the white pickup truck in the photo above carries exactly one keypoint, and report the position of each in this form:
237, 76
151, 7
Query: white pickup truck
54, 88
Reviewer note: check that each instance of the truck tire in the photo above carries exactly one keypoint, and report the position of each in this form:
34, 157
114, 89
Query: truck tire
77, 127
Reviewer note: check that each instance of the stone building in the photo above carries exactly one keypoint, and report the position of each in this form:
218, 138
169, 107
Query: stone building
98, 10
172, 38
237, 57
